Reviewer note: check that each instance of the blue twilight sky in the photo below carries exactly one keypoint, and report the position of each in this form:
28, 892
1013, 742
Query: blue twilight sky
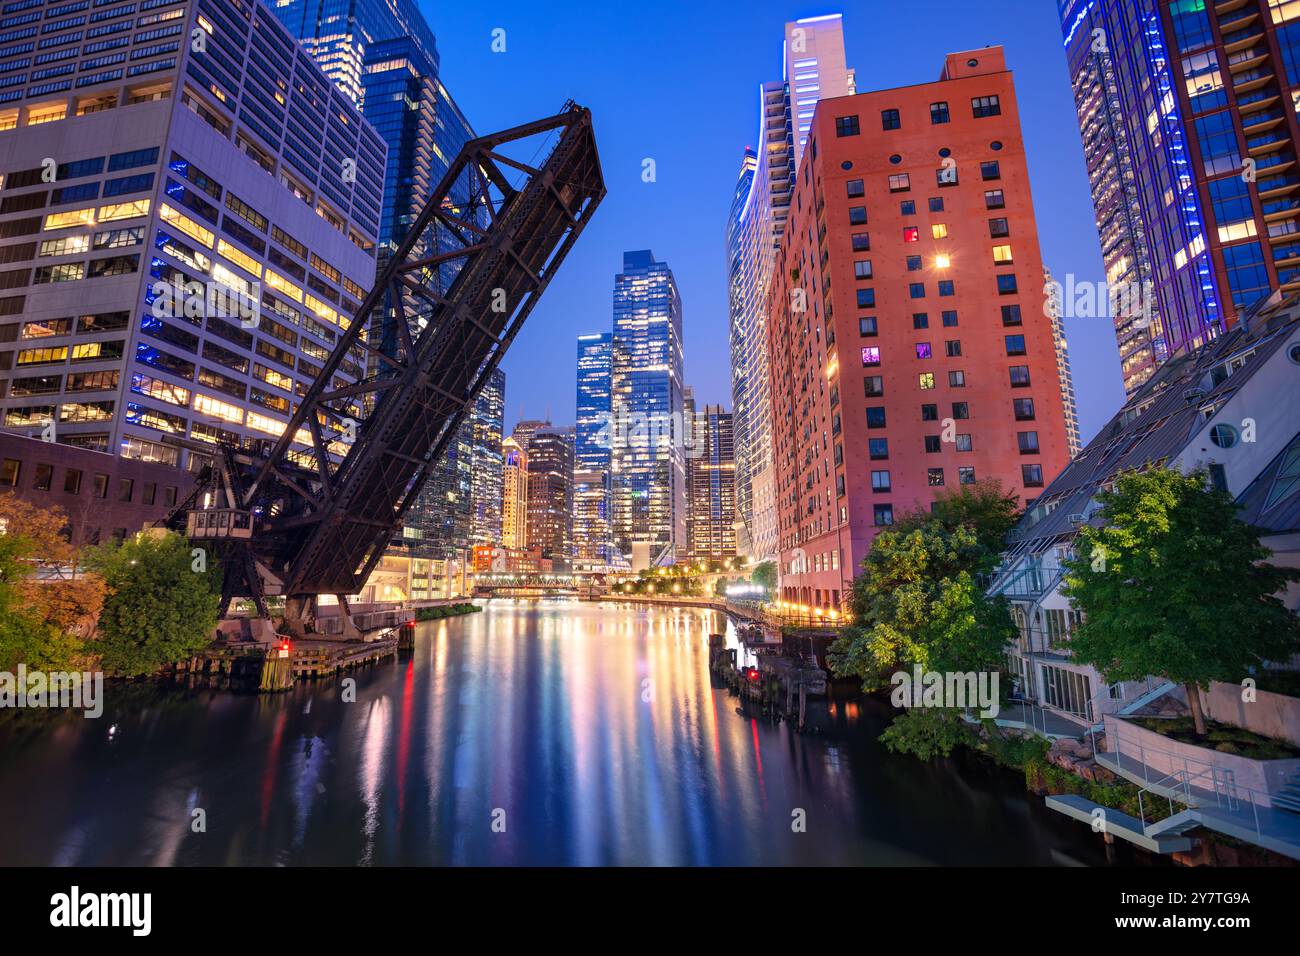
678, 82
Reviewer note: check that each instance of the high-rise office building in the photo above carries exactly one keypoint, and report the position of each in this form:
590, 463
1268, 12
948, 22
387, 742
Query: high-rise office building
592, 487
486, 466
1188, 122
648, 454
550, 495
1069, 406
711, 486
525, 429
910, 345
514, 495
595, 373
142, 187
338, 34
813, 66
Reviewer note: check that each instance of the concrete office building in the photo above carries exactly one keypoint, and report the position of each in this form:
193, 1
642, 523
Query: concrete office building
214, 164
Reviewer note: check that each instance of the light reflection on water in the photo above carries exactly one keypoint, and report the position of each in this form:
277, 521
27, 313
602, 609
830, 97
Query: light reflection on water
589, 734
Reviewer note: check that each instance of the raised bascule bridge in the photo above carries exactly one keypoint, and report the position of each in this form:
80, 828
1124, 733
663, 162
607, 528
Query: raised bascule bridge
315, 515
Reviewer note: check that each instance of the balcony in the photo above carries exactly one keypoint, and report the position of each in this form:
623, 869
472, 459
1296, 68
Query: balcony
1280, 207
1241, 39
1251, 59
1251, 80
1237, 18
1269, 142
1287, 255
1283, 229
1275, 186
1275, 163
1228, 6
1257, 100
1261, 121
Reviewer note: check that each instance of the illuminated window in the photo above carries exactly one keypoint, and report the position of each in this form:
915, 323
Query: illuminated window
67, 246
43, 356
207, 405
72, 217
939, 230
124, 210
321, 309
263, 423
1002, 255
911, 234
870, 356
283, 285
926, 380
942, 261
185, 224
156, 388
240, 258
46, 113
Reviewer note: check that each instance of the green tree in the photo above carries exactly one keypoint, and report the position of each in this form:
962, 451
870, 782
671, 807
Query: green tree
764, 575
919, 601
1175, 584
159, 608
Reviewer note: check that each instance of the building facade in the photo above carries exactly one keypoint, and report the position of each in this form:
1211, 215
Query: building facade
514, 497
711, 486
595, 380
813, 67
182, 244
1188, 117
486, 486
550, 495
338, 33
648, 453
910, 344
1069, 404
1189, 415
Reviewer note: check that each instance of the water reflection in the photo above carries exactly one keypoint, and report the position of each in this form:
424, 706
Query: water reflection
533, 733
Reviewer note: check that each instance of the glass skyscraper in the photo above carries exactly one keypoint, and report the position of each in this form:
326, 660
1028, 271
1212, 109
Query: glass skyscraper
1188, 115
595, 356
648, 460
337, 33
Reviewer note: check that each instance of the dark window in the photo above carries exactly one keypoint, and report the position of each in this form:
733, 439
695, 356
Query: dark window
867, 325
1024, 409
125, 489
913, 263
855, 188
920, 320
960, 411
44, 477
1015, 344
939, 113
993, 199
950, 318
72, 481
1019, 376
983, 106
1007, 285
150, 493
1028, 442
946, 287
876, 417
10, 468
1032, 475
929, 413
101, 486
999, 229
907, 207
866, 298
858, 215
889, 119
861, 242
878, 448
873, 386
1011, 315
936, 204
933, 444
990, 170
846, 126
884, 515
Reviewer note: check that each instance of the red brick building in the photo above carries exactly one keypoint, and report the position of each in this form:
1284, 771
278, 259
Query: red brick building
910, 345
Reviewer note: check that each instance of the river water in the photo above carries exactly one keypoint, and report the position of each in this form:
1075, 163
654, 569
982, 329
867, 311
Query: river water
533, 733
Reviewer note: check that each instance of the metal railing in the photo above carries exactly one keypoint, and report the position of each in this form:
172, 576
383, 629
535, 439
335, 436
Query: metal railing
1227, 794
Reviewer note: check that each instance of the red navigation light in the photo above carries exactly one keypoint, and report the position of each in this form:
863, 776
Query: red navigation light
410, 624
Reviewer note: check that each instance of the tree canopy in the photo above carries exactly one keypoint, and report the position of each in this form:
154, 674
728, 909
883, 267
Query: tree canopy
1174, 584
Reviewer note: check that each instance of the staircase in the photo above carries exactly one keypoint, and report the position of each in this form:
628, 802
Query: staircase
1288, 798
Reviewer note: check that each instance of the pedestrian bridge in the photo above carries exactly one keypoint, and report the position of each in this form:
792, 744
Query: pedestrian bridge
537, 585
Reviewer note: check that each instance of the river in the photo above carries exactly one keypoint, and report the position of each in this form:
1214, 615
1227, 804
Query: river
542, 732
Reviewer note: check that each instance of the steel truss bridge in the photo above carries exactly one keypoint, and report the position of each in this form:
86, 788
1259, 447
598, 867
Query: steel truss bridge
304, 521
